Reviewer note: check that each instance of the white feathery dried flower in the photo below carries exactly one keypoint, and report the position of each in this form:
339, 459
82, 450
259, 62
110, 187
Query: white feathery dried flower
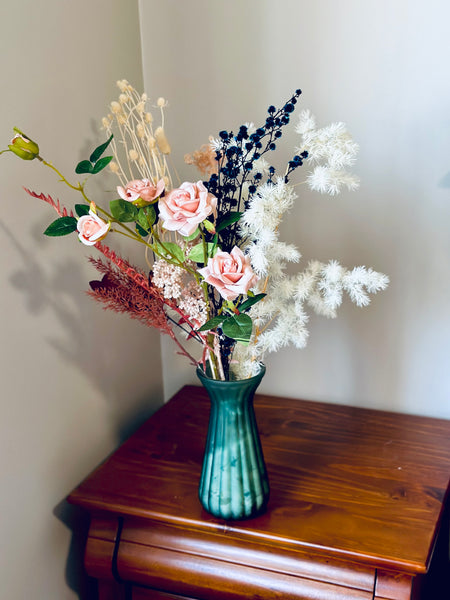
266, 207
330, 149
325, 180
258, 259
216, 143
306, 122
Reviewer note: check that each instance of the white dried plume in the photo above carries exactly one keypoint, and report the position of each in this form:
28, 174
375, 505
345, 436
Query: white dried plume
326, 180
267, 207
330, 149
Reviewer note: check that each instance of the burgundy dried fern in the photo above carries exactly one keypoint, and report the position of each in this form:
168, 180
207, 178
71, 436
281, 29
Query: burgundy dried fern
124, 289
61, 210
118, 291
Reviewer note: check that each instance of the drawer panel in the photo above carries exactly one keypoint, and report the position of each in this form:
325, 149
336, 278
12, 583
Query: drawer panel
204, 578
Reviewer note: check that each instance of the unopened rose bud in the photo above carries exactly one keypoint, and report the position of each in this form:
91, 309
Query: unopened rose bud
209, 226
23, 147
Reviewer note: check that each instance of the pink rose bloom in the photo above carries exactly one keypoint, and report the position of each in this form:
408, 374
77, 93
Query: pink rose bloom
141, 191
184, 208
92, 229
231, 274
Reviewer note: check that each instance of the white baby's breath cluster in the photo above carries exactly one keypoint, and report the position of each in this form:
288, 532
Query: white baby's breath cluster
168, 278
280, 319
330, 150
192, 302
139, 147
188, 295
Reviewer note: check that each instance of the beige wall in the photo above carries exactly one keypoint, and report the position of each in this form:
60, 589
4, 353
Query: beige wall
75, 379
382, 67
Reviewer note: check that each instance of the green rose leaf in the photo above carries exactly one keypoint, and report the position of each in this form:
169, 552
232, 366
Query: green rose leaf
101, 164
99, 151
211, 324
81, 209
227, 220
123, 211
251, 301
197, 253
83, 167
168, 250
191, 237
146, 217
62, 226
238, 327
142, 232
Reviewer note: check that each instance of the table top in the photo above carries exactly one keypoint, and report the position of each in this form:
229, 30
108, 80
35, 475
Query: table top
349, 483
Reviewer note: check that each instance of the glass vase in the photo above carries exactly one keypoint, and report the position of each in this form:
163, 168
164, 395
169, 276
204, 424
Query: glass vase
234, 482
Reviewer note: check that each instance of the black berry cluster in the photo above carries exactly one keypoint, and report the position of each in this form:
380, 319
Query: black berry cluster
236, 164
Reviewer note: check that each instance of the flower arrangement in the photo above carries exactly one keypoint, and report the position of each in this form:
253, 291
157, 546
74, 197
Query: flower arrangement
216, 266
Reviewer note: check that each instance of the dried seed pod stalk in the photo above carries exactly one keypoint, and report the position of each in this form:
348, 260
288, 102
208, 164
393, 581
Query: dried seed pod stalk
139, 150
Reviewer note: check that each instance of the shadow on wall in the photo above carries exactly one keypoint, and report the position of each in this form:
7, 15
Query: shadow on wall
76, 578
88, 341
94, 340
445, 181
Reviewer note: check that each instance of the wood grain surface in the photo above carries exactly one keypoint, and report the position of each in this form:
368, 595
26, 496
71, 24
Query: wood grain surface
348, 485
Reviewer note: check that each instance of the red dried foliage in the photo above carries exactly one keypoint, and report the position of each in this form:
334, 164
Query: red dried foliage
123, 265
126, 289
62, 211
119, 291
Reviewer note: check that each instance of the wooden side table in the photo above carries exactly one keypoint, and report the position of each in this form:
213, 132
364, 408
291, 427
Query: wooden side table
358, 509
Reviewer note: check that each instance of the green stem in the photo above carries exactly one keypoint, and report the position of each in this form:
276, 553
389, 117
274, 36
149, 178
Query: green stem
80, 188
168, 254
77, 188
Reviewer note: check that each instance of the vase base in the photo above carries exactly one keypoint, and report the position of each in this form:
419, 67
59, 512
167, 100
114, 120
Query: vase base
237, 516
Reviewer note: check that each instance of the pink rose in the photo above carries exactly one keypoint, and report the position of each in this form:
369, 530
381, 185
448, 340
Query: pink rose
184, 208
230, 273
141, 192
92, 229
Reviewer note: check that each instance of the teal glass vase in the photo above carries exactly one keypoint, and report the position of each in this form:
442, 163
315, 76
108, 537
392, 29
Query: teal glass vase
234, 482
